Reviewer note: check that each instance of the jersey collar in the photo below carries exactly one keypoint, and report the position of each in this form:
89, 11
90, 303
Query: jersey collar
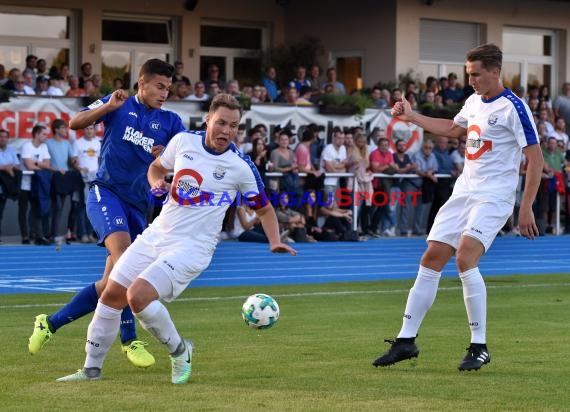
505, 92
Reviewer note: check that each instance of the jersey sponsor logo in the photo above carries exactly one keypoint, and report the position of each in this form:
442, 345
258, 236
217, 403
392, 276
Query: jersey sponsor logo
137, 138
186, 189
95, 104
219, 172
154, 125
476, 146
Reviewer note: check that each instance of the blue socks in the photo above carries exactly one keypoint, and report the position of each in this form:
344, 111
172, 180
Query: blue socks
84, 302
80, 305
128, 329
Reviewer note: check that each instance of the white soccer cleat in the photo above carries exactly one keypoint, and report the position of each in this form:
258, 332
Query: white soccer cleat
79, 376
182, 365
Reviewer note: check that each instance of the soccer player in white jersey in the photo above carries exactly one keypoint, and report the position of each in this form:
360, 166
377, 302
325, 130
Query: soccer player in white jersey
209, 171
499, 127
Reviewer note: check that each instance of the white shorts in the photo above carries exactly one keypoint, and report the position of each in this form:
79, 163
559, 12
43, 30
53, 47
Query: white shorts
464, 214
169, 269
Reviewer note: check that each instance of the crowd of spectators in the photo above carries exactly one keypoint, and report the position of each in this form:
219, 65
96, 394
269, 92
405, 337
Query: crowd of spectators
350, 150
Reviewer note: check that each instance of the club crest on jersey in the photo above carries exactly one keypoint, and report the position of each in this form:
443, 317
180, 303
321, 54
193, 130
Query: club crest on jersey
154, 125
219, 173
492, 120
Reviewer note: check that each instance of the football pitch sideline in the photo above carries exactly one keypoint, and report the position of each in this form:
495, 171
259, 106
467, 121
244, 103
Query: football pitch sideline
318, 356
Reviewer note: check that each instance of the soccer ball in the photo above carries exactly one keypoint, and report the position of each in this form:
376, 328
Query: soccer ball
260, 311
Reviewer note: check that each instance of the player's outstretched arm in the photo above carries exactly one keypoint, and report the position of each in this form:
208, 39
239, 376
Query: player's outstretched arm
527, 225
87, 117
271, 228
441, 127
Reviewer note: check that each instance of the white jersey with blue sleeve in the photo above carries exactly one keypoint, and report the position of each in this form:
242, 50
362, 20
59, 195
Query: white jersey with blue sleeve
205, 184
497, 131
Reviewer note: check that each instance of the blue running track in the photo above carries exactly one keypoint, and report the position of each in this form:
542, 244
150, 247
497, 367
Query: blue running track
41, 269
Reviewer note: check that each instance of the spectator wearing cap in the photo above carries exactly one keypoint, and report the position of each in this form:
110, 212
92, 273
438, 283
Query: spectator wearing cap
178, 75
453, 93
42, 85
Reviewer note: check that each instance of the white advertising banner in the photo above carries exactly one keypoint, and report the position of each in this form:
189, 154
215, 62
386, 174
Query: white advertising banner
21, 114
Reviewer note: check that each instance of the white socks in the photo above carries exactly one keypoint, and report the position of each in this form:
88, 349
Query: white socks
420, 299
101, 334
156, 320
475, 297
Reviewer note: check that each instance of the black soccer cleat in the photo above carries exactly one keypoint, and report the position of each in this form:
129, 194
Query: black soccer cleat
477, 356
401, 349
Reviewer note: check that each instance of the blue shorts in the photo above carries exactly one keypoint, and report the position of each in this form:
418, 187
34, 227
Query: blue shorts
108, 213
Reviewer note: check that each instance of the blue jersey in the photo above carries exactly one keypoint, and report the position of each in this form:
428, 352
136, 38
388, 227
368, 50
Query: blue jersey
130, 133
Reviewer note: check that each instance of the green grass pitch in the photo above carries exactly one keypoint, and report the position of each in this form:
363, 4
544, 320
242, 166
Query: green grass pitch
318, 356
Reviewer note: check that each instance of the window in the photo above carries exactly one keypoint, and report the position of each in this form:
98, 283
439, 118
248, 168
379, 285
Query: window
444, 45
235, 47
528, 57
34, 25
234, 37
128, 41
136, 31
46, 33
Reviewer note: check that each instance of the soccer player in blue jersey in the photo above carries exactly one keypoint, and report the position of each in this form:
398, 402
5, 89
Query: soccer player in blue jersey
136, 131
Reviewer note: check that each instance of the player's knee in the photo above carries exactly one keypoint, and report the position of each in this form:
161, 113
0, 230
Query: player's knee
436, 256
137, 300
114, 295
465, 261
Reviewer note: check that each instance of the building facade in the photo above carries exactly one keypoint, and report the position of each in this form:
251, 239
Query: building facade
368, 41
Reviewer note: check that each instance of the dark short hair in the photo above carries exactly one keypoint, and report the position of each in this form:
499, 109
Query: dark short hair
56, 124
224, 100
5, 131
37, 129
156, 67
286, 131
490, 56
308, 134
